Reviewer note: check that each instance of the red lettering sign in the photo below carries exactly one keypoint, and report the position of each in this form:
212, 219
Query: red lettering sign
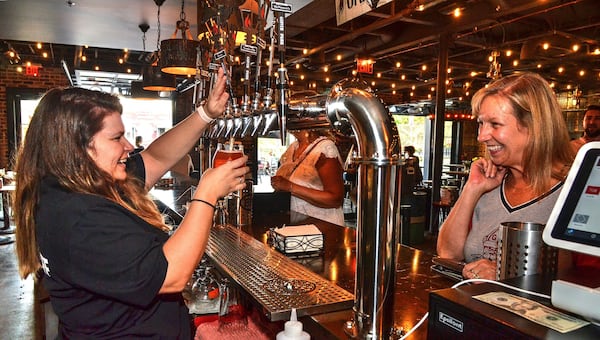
32, 70
592, 190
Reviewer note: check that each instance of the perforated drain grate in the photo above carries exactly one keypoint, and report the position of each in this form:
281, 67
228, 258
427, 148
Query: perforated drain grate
276, 282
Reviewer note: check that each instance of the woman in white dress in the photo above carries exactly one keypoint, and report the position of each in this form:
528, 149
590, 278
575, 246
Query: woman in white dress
311, 170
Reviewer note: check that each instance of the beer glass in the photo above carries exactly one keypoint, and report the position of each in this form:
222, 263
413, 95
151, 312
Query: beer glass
227, 152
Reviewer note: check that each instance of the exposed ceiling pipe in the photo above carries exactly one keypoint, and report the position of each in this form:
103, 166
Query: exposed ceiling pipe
429, 40
432, 40
519, 18
65, 68
363, 30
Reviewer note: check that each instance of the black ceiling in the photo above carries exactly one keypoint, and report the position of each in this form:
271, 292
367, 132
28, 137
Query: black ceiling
397, 32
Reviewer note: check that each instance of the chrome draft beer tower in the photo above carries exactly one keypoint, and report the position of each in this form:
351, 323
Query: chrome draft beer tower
378, 199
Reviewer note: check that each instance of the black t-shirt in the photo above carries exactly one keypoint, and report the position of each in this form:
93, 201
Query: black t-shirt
103, 268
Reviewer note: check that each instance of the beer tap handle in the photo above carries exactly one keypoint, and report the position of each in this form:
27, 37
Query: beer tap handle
280, 9
249, 51
261, 44
246, 98
232, 99
269, 91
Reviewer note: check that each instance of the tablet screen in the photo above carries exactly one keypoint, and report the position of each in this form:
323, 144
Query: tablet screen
575, 220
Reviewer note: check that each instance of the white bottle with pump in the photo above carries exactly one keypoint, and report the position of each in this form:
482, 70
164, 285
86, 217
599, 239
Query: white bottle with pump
292, 330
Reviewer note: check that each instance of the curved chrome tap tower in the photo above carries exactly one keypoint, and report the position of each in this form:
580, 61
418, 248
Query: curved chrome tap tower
351, 107
378, 218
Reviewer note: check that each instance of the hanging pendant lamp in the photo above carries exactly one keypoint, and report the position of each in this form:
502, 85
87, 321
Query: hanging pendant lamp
179, 56
156, 80
153, 79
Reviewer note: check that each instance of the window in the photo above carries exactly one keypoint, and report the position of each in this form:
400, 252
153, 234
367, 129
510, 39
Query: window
148, 118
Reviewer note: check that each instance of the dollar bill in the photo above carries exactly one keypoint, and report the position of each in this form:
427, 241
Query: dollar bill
533, 311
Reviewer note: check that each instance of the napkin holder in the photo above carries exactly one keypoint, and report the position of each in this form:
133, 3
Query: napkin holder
297, 240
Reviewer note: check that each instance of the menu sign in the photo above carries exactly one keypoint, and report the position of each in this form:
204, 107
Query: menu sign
347, 10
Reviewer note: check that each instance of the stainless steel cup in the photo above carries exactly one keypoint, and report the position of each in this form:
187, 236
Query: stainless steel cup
521, 251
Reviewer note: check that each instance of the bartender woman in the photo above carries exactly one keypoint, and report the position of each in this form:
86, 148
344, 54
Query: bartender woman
86, 225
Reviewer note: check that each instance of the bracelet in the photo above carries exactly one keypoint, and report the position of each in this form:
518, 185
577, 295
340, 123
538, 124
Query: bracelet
203, 201
206, 118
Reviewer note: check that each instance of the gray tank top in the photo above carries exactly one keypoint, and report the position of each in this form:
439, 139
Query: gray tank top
493, 209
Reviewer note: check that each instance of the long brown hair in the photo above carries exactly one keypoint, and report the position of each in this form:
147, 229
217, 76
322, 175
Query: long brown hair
56, 145
535, 106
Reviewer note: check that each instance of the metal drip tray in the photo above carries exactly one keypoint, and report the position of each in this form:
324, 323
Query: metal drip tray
276, 282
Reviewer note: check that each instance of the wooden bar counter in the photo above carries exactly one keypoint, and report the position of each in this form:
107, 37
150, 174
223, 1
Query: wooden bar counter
414, 278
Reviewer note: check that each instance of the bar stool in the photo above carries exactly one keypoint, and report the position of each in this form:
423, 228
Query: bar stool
441, 210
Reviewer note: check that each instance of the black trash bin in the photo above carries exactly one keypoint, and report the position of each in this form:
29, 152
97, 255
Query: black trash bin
418, 218
405, 225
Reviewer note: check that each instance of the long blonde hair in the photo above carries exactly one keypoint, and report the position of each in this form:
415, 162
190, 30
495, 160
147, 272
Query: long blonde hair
535, 106
56, 145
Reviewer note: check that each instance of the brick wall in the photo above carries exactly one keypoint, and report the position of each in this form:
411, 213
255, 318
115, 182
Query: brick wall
48, 78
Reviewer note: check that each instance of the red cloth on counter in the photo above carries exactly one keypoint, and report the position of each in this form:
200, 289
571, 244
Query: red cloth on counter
210, 331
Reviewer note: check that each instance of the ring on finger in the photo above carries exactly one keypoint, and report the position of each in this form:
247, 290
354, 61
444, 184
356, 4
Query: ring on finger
241, 179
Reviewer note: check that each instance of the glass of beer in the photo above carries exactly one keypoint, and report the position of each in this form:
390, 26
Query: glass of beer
227, 152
